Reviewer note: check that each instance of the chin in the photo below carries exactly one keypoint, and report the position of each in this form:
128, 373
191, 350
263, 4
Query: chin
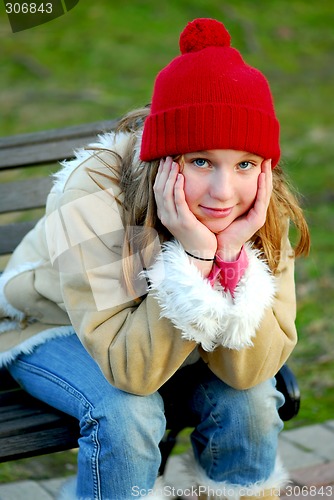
217, 227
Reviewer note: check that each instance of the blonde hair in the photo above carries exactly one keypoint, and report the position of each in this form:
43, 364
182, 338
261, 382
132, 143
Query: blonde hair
136, 183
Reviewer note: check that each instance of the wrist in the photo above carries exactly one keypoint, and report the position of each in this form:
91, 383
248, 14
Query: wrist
203, 251
228, 254
197, 257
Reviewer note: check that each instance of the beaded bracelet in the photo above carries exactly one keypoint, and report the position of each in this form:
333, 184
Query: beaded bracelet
200, 258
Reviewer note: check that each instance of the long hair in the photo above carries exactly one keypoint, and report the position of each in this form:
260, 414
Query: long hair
136, 180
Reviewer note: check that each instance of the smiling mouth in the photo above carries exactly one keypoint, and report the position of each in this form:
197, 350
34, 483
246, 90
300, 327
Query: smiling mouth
217, 212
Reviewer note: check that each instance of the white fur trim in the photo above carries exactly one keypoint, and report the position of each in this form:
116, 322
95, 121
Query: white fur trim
110, 141
6, 308
180, 478
206, 315
27, 346
224, 490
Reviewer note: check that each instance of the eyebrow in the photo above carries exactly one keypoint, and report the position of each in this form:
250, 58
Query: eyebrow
199, 153
247, 155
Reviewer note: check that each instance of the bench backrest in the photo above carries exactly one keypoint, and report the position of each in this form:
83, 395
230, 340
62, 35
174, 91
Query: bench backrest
25, 167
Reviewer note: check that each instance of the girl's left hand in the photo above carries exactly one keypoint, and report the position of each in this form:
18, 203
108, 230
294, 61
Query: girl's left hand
231, 239
174, 213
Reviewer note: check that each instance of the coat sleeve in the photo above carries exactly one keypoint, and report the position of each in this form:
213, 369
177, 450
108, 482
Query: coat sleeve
274, 339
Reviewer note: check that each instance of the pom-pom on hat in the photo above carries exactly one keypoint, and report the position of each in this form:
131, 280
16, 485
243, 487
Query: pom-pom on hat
209, 98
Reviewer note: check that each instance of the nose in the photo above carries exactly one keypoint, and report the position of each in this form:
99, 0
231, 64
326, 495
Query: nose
222, 187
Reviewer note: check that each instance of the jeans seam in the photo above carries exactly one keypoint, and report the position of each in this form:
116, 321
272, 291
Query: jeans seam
95, 457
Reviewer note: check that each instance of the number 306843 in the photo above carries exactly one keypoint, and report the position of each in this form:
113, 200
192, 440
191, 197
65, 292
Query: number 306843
28, 8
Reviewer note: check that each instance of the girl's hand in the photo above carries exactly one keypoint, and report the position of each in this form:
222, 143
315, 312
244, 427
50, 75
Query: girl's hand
231, 239
174, 213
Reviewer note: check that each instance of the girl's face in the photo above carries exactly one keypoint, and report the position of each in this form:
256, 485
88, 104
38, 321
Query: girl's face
220, 185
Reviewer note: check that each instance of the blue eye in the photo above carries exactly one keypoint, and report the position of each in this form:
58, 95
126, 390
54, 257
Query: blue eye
245, 165
200, 162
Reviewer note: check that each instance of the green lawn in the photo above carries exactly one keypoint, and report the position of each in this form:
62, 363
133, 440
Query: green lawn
99, 61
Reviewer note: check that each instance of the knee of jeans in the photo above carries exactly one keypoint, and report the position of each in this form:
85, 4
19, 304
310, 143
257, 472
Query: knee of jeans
257, 407
264, 400
127, 415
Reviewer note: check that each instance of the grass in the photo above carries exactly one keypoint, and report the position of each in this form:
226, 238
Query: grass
99, 61
60, 464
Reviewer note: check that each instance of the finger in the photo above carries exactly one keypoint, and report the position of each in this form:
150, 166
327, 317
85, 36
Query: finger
159, 186
164, 192
260, 202
259, 212
179, 196
162, 174
169, 188
265, 182
268, 180
156, 183
160, 183
261, 188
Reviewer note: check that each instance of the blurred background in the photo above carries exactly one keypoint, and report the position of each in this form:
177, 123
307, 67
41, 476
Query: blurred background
99, 61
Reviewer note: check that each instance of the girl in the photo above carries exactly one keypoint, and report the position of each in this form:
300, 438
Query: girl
165, 248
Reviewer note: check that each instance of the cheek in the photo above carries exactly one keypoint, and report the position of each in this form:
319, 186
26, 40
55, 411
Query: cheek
191, 191
248, 193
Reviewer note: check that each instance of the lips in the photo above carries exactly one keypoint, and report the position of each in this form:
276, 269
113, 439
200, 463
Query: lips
217, 212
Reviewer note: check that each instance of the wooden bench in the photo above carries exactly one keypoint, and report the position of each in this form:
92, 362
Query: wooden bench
29, 427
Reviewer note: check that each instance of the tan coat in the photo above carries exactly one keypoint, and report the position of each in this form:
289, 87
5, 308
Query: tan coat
67, 270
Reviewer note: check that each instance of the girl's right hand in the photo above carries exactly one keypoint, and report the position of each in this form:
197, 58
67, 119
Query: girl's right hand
174, 213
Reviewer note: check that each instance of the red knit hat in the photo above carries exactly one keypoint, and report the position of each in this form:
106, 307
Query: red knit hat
209, 98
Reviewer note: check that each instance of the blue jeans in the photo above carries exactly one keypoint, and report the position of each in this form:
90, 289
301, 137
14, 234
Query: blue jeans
234, 441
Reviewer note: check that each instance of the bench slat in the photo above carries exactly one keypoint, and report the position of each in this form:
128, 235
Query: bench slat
50, 145
40, 442
24, 195
29, 427
24, 419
